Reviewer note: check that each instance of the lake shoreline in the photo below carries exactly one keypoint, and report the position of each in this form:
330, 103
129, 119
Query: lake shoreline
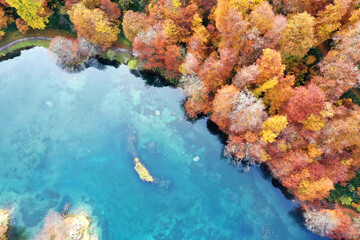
103, 56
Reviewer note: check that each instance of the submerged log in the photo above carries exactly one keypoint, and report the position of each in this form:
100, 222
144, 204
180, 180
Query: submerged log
142, 171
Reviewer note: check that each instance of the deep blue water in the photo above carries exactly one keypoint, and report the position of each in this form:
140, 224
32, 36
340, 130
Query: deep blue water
64, 138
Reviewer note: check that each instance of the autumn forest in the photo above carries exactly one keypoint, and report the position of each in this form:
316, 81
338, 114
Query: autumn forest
279, 77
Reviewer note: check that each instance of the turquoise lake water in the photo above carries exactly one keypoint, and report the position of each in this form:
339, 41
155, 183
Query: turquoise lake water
65, 139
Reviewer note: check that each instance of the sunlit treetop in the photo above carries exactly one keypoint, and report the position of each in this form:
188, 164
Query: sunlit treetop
32, 12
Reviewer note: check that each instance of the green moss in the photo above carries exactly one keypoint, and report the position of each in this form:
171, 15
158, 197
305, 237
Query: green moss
123, 42
113, 56
346, 200
133, 64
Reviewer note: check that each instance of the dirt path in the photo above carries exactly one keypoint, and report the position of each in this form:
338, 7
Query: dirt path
9, 45
120, 50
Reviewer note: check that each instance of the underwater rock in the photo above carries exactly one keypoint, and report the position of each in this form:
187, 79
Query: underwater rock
69, 227
142, 171
4, 223
49, 104
33, 208
151, 147
196, 159
131, 141
31, 213
163, 184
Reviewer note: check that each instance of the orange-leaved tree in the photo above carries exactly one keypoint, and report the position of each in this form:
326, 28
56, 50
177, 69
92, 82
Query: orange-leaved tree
133, 23
93, 25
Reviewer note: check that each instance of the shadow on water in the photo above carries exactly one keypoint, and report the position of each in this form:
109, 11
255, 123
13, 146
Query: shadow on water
11, 55
17, 233
151, 78
93, 62
97, 62
214, 130
107, 62
297, 215
266, 174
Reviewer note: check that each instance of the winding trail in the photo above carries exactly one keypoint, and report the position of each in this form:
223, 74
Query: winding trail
118, 50
10, 44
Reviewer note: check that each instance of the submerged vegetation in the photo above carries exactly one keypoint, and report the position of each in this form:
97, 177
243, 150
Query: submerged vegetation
67, 227
277, 76
64, 226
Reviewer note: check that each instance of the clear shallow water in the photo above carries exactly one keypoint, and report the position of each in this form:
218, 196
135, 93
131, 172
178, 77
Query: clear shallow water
64, 138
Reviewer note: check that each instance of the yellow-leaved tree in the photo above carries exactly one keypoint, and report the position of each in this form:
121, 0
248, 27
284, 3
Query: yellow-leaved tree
32, 12
272, 128
299, 35
329, 20
3, 22
244, 6
93, 25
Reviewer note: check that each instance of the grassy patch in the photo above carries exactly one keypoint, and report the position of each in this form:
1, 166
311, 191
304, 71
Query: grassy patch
111, 55
123, 42
15, 35
122, 57
26, 44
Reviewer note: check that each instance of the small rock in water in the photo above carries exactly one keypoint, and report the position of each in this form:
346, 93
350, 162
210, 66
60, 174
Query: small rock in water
49, 103
157, 112
197, 158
